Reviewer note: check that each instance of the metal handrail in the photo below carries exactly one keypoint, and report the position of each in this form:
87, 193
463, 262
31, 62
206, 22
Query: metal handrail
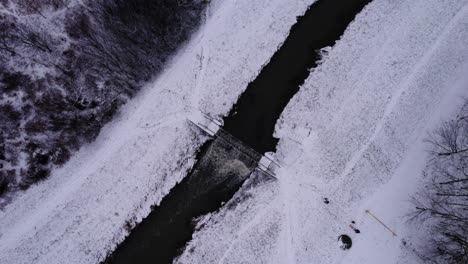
233, 138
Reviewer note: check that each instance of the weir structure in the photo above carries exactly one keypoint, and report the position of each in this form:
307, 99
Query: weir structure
223, 165
266, 163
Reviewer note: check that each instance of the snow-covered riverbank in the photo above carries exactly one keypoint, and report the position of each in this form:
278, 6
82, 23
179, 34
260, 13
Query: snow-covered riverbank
81, 212
396, 73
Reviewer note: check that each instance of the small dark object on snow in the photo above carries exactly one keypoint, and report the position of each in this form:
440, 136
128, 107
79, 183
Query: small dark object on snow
352, 222
326, 201
345, 242
355, 229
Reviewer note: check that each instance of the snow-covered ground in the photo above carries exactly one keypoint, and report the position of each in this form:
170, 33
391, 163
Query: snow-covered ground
83, 210
397, 71
400, 68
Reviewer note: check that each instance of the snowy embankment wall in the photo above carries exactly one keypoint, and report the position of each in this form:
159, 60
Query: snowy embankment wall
397, 71
87, 206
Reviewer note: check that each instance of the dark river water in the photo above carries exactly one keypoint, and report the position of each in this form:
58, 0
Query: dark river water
225, 163
253, 118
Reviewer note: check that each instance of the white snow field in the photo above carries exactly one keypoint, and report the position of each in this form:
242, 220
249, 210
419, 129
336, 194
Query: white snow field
400, 68
82, 211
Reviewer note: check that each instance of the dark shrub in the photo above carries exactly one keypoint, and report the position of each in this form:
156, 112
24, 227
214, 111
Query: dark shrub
60, 155
3, 183
10, 82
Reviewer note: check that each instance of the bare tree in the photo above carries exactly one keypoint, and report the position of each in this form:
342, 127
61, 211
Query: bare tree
14, 33
131, 40
37, 7
6, 44
32, 38
444, 202
6, 36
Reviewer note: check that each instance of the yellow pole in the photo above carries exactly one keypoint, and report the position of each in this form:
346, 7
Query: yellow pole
388, 228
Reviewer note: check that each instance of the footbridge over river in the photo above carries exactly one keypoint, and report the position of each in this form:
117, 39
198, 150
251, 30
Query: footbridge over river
234, 148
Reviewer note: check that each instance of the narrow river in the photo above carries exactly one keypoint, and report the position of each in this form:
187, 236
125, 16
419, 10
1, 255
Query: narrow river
253, 118
224, 163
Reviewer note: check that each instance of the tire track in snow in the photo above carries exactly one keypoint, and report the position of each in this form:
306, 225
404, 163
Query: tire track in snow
290, 212
204, 58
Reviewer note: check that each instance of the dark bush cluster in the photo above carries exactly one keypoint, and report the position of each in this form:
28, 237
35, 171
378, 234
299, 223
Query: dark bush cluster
140, 36
58, 90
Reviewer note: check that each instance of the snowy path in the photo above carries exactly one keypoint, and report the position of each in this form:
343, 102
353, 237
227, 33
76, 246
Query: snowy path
398, 69
81, 212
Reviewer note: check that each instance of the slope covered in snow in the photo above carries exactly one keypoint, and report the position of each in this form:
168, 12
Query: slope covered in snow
353, 134
87, 206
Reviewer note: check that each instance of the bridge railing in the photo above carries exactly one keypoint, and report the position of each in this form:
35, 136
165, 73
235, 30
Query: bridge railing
266, 163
